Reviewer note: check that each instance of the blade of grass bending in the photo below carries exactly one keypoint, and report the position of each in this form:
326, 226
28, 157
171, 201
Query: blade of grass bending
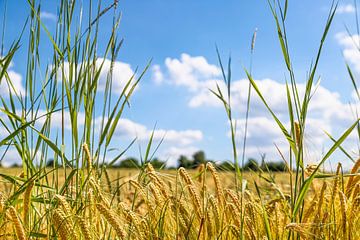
67, 181
22, 188
148, 147
46, 30
122, 153
353, 80
52, 145
340, 147
16, 132
280, 37
305, 186
282, 128
310, 81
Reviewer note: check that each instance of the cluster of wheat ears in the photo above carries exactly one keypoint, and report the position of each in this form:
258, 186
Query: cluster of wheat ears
86, 204
159, 207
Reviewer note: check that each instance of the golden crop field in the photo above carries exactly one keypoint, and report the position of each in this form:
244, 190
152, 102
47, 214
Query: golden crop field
181, 204
67, 116
121, 176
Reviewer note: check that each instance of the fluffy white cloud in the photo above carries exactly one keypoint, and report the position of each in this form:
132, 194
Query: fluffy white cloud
57, 119
346, 8
48, 16
130, 129
175, 143
157, 75
11, 157
351, 45
326, 112
190, 72
121, 74
16, 80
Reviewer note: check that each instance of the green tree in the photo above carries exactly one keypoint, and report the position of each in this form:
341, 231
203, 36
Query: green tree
198, 158
277, 166
129, 163
157, 163
251, 164
226, 166
184, 162
50, 162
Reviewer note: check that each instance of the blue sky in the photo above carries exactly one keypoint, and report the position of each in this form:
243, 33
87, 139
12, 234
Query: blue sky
180, 37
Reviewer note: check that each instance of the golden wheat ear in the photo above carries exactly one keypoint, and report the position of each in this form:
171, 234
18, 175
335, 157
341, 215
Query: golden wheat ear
352, 179
84, 228
19, 228
192, 191
218, 186
111, 219
27, 202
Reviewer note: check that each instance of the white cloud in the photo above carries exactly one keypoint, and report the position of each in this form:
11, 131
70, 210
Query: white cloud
57, 119
157, 75
346, 8
16, 80
326, 112
48, 16
351, 45
11, 157
130, 129
190, 71
121, 74
175, 142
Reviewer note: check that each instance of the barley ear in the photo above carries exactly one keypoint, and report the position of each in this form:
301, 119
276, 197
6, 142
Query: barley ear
111, 219
218, 186
88, 157
84, 228
19, 228
27, 201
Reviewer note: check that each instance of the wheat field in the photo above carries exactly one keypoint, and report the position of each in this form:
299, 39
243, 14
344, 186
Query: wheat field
82, 195
177, 205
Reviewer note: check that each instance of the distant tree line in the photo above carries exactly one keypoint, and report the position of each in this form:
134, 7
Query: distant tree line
197, 159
